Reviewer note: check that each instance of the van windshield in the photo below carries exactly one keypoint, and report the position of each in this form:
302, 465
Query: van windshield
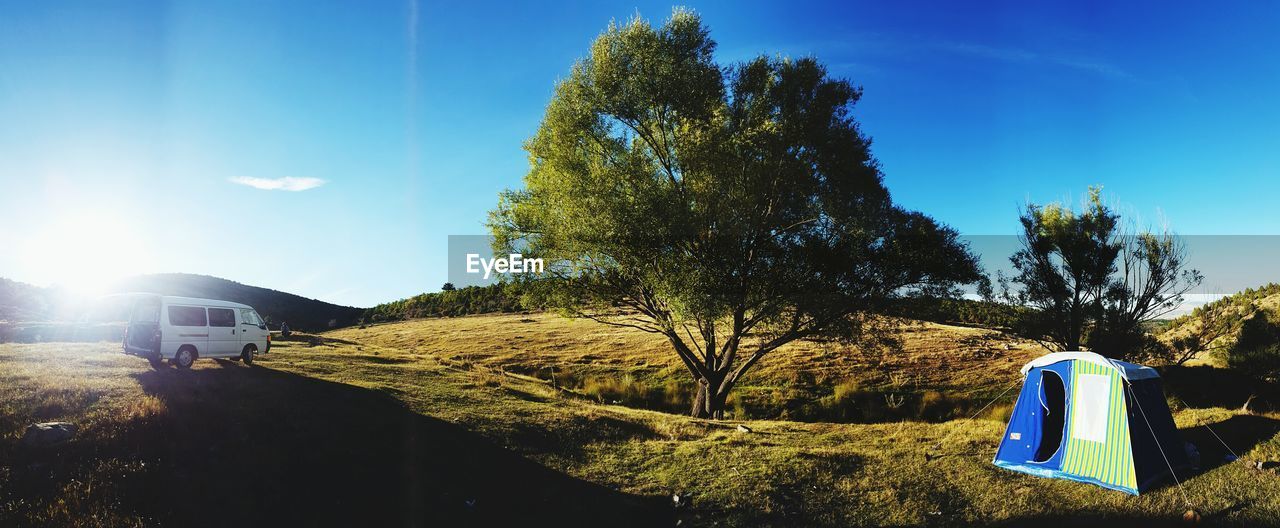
251, 317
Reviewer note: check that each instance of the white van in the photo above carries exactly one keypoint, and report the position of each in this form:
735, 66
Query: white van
181, 329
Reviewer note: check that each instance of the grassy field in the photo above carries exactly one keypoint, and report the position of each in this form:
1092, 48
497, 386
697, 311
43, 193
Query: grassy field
942, 371
448, 423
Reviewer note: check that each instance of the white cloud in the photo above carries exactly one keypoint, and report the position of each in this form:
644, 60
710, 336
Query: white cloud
288, 183
1021, 55
867, 48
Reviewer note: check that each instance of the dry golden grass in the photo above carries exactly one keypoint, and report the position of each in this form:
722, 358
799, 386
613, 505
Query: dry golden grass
418, 423
958, 361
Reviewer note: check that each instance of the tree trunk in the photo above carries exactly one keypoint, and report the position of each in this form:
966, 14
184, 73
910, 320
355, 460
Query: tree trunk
715, 407
698, 410
707, 400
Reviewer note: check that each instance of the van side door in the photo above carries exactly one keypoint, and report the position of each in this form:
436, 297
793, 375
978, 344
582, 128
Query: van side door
142, 336
223, 338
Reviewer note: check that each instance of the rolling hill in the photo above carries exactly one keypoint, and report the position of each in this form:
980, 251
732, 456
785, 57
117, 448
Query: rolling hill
20, 301
1220, 320
300, 312
24, 302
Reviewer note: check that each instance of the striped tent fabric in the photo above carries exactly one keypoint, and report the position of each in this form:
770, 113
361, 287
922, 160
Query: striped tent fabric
1108, 463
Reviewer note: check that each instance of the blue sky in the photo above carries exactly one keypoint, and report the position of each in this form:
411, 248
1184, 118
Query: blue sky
126, 126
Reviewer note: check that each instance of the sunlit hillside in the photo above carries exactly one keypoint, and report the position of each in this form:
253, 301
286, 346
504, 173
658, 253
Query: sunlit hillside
1220, 321
952, 368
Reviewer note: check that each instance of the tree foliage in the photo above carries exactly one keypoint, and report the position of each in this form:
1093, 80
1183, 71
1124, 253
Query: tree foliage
731, 209
1089, 282
959, 311
500, 297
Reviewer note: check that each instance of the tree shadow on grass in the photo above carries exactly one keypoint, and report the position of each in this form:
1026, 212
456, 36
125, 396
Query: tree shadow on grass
1171, 519
1240, 433
1204, 386
1215, 441
1093, 520
255, 446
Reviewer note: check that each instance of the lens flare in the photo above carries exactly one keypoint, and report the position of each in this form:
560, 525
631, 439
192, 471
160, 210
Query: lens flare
84, 252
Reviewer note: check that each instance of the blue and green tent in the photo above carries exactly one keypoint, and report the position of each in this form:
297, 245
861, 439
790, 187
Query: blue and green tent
1084, 417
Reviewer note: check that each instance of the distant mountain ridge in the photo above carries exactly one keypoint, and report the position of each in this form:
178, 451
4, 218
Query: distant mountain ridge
300, 312
20, 301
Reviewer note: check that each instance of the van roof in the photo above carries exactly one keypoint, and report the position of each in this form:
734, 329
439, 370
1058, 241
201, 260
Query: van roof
174, 299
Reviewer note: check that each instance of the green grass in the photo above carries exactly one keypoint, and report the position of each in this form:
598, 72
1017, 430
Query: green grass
411, 422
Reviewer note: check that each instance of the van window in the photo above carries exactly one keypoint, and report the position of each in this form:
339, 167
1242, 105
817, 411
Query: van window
187, 316
222, 317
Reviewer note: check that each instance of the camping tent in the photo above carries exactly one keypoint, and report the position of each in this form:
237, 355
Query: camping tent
1083, 417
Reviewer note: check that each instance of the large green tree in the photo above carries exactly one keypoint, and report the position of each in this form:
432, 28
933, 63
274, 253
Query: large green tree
731, 209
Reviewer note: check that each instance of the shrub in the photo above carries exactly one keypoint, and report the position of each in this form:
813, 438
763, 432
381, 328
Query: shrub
1257, 350
936, 406
626, 390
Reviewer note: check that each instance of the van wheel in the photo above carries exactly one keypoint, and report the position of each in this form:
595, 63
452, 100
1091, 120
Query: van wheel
247, 355
185, 357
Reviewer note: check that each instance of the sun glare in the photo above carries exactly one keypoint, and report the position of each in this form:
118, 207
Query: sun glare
84, 252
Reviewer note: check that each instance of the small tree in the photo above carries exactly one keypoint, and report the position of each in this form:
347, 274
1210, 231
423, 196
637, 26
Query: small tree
1089, 283
731, 209
448, 286
1150, 283
1064, 268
